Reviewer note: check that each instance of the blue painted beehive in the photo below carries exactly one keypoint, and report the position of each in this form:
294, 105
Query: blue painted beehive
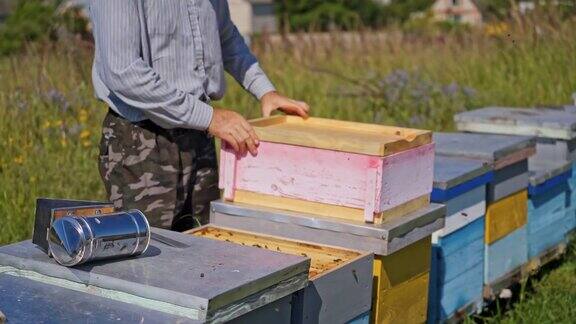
457, 268
505, 231
549, 217
555, 130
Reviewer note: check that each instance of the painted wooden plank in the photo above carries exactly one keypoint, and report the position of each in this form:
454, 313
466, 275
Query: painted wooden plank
340, 136
547, 219
542, 122
450, 172
442, 196
25, 300
505, 255
456, 275
460, 251
362, 319
501, 190
463, 210
486, 147
382, 239
406, 303
403, 265
457, 294
543, 180
550, 150
505, 216
327, 210
406, 176
279, 170
548, 237
228, 171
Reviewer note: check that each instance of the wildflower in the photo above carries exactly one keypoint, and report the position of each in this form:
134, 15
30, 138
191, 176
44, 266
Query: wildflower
19, 160
86, 143
58, 123
83, 116
85, 134
46, 124
57, 98
451, 90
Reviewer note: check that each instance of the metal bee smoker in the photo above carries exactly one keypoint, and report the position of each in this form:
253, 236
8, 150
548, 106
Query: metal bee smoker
75, 240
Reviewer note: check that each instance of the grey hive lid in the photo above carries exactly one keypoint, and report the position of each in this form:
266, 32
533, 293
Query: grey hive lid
451, 171
208, 277
541, 122
486, 147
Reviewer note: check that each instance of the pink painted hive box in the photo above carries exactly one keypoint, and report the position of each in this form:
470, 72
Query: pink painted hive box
332, 168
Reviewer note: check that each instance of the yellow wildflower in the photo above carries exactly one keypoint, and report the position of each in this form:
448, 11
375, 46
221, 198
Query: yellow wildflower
83, 116
496, 29
58, 123
85, 134
86, 143
19, 160
46, 124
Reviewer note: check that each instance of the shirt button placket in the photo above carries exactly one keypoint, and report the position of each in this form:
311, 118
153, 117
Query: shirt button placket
194, 13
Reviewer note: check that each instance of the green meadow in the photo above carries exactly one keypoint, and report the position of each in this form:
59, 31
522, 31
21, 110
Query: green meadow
50, 121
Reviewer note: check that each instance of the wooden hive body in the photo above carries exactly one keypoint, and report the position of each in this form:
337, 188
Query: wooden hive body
504, 257
332, 168
457, 270
457, 273
505, 216
401, 284
401, 247
549, 217
334, 272
231, 281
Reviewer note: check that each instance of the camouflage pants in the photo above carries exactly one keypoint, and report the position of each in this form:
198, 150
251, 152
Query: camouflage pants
170, 175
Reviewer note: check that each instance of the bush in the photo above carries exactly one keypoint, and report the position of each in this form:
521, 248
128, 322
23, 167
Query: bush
31, 20
39, 20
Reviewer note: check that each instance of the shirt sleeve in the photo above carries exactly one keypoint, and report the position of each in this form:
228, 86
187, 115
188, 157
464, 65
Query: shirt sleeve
126, 74
238, 60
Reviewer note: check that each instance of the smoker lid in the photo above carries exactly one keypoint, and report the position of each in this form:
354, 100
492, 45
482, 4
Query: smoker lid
67, 241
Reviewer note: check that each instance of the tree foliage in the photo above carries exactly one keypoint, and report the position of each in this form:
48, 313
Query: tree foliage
31, 20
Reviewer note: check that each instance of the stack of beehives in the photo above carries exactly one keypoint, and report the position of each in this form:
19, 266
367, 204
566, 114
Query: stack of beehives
457, 275
505, 233
353, 186
551, 211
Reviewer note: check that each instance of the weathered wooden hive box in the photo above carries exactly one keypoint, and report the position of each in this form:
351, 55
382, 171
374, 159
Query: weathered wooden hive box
334, 273
198, 279
401, 245
27, 300
332, 168
555, 130
457, 270
549, 218
506, 247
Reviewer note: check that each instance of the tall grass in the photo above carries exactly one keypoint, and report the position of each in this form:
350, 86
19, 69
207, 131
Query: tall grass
50, 122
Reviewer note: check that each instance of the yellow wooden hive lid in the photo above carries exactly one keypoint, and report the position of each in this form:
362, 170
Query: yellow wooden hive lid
339, 135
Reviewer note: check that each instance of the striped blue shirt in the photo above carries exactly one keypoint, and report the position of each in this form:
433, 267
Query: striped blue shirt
164, 60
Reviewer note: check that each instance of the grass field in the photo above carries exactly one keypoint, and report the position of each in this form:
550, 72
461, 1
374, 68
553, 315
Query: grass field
50, 122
